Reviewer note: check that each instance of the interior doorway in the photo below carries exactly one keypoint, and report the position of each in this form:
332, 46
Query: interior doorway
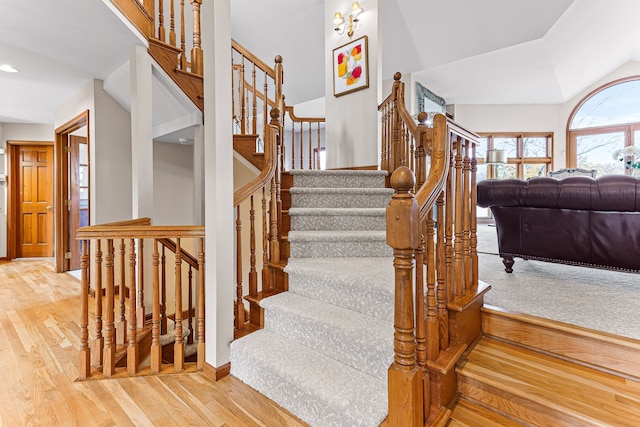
73, 189
30, 199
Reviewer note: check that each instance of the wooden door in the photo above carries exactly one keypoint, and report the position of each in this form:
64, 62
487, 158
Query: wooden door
35, 199
78, 194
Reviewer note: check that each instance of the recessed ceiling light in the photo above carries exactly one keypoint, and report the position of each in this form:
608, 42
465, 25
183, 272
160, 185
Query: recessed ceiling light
8, 68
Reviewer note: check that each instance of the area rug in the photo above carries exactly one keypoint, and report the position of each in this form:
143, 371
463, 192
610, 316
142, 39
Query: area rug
603, 300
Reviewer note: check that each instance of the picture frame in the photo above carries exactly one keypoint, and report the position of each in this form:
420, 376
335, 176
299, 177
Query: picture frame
351, 67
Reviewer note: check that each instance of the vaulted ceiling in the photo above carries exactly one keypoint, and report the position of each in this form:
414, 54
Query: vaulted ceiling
468, 51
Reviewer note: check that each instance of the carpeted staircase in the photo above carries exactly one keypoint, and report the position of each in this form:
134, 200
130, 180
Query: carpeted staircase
328, 342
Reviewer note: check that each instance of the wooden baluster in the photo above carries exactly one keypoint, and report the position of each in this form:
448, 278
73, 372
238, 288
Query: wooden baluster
178, 346
196, 51
405, 379
443, 313
98, 342
466, 217
474, 219
109, 359
293, 145
318, 166
265, 105
140, 315
458, 212
121, 329
310, 148
433, 341
172, 24
301, 148
266, 283
253, 275
201, 343
190, 306
156, 348
421, 320
161, 30
241, 90
163, 291
132, 348
183, 49
84, 362
239, 305
274, 248
449, 202
254, 101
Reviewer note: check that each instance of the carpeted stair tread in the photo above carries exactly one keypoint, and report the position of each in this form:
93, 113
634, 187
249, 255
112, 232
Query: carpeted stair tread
362, 342
339, 178
338, 211
338, 244
303, 197
365, 285
337, 236
316, 388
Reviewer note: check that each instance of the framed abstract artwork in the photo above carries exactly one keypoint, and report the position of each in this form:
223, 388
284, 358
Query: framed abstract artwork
350, 67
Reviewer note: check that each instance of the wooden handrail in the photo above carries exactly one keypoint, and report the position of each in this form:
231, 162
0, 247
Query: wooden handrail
254, 59
140, 232
186, 256
270, 154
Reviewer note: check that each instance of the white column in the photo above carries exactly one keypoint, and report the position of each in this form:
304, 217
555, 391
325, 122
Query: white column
141, 133
218, 157
198, 175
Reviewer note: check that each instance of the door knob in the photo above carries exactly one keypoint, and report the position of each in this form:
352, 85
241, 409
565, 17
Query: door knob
49, 207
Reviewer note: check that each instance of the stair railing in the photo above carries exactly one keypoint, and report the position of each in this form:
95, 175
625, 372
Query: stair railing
263, 191
431, 223
303, 149
160, 21
258, 87
114, 261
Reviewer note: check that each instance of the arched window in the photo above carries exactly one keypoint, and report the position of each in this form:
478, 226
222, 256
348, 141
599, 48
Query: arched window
602, 125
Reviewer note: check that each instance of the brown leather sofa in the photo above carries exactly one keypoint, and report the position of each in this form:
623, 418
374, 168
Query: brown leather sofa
576, 220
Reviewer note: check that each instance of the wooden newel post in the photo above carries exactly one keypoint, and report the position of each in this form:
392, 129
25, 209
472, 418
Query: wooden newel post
403, 235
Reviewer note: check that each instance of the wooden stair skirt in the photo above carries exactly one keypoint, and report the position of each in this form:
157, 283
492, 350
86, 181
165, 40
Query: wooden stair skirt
532, 371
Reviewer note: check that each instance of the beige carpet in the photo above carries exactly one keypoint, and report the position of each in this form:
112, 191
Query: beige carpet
598, 299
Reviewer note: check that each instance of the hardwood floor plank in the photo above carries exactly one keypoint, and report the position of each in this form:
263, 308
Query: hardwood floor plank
39, 344
591, 395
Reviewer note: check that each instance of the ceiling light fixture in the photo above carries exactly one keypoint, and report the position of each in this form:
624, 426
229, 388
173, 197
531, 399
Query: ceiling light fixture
8, 68
341, 26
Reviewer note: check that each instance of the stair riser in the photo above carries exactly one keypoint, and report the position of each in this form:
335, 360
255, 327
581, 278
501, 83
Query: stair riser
513, 406
346, 345
596, 349
337, 249
337, 222
340, 181
332, 200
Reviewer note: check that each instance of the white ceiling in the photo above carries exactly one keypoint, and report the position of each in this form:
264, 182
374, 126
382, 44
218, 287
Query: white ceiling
468, 51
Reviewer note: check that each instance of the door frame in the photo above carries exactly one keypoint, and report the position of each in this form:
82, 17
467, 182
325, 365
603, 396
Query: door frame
62, 184
13, 193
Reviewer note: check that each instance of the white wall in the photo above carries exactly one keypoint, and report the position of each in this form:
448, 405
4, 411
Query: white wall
112, 150
16, 132
535, 118
352, 119
173, 184
109, 151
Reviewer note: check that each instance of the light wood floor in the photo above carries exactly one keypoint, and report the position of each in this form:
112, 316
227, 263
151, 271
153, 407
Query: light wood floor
39, 342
